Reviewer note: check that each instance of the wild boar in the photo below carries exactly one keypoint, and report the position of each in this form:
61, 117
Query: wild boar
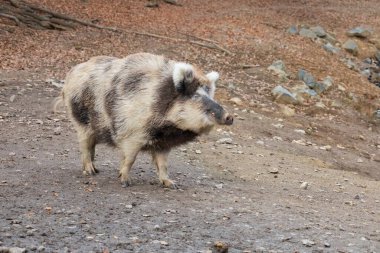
143, 102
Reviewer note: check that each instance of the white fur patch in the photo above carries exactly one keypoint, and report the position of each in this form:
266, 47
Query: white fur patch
182, 71
213, 77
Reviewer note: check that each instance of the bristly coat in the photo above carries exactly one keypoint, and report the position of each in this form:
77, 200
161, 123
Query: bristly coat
141, 102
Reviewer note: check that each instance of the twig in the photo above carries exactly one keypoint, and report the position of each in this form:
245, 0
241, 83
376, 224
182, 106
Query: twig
199, 38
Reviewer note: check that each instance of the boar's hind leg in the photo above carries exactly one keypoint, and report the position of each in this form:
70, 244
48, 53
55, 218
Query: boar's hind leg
129, 156
160, 158
87, 148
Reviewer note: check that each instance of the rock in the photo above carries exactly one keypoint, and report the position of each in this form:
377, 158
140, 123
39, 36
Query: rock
236, 101
377, 56
273, 170
219, 186
198, 151
359, 160
293, 30
307, 33
330, 48
306, 77
40, 122
12, 98
300, 131
318, 88
164, 243
319, 31
220, 247
56, 83
327, 147
331, 38
359, 32
366, 73
341, 88
375, 41
304, 185
260, 142
224, 141
15, 250
350, 64
41, 249
284, 96
327, 244
278, 67
287, 111
308, 243
320, 105
327, 82
351, 47
57, 130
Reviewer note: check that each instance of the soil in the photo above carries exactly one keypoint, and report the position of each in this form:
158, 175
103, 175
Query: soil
271, 188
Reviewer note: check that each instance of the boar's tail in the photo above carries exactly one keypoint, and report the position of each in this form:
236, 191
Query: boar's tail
57, 102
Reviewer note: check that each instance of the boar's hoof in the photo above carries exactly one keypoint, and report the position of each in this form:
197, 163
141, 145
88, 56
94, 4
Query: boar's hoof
89, 170
167, 183
125, 184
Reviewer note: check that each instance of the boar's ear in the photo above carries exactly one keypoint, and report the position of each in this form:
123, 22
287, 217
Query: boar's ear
183, 78
213, 77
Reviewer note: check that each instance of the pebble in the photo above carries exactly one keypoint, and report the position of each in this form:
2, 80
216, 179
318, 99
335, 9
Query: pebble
260, 142
359, 160
236, 101
38, 121
300, 131
12, 98
41, 249
219, 186
273, 170
57, 130
293, 30
164, 243
198, 151
224, 141
304, 185
327, 147
327, 245
308, 243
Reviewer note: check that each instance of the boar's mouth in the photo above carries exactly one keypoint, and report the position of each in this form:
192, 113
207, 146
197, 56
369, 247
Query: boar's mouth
216, 112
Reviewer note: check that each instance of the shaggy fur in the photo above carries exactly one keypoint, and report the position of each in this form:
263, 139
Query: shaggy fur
141, 102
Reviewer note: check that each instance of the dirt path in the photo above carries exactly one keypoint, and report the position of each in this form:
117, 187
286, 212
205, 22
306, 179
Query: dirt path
269, 183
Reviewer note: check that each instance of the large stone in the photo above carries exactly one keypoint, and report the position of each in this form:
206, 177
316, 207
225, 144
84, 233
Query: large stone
306, 77
283, 96
359, 32
375, 41
319, 31
293, 30
307, 33
351, 47
330, 48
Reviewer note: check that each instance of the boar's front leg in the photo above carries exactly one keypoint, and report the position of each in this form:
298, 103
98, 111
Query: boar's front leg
160, 158
130, 151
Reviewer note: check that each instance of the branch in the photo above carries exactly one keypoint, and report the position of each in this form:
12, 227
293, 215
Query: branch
16, 20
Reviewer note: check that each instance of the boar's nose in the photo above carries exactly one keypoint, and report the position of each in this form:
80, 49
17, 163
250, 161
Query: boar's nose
229, 119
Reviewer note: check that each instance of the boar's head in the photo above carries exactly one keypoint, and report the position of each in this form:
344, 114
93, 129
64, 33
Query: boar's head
195, 108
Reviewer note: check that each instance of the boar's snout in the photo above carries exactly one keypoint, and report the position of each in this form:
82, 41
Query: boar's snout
229, 119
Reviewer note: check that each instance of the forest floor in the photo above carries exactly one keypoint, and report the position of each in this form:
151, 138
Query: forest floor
307, 182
